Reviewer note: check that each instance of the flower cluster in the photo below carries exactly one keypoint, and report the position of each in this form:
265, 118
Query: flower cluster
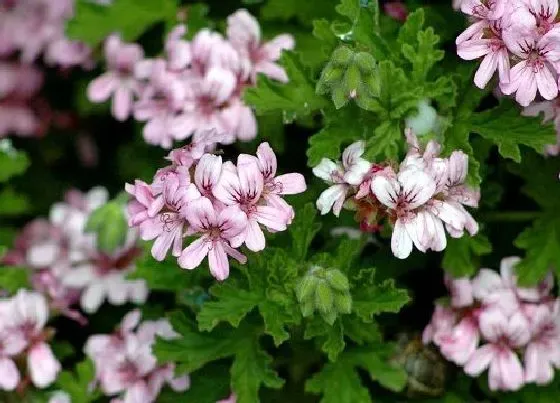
19, 85
196, 86
523, 32
67, 265
125, 366
491, 322
24, 339
222, 204
422, 197
29, 28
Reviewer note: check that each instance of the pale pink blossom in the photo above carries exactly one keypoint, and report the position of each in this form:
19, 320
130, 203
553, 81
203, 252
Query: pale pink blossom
119, 80
277, 186
535, 72
460, 290
341, 175
459, 343
504, 335
404, 194
218, 233
443, 320
242, 186
542, 354
159, 104
244, 34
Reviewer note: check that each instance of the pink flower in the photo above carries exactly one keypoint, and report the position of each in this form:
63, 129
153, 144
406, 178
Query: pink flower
490, 10
244, 33
207, 174
460, 290
119, 80
160, 102
27, 316
459, 343
242, 186
404, 194
11, 344
543, 351
496, 57
161, 218
396, 10
443, 320
535, 71
504, 336
351, 171
178, 50
277, 186
203, 109
218, 231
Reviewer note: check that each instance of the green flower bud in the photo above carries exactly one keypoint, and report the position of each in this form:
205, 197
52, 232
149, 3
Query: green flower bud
324, 298
343, 302
352, 80
306, 288
337, 280
342, 56
329, 317
330, 75
365, 62
307, 308
339, 97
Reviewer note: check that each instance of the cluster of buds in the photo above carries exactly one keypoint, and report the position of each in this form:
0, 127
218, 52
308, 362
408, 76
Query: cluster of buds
125, 366
224, 205
197, 86
349, 75
523, 32
326, 291
24, 341
491, 323
68, 264
422, 197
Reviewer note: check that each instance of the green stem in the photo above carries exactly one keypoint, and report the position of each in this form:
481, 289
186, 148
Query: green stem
511, 216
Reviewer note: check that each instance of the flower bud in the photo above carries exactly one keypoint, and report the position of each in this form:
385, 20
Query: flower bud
343, 302
342, 56
337, 280
324, 298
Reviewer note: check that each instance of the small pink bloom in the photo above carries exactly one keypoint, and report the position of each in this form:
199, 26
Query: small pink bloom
396, 10
217, 230
459, 344
119, 79
43, 365
535, 71
460, 290
243, 187
443, 320
244, 33
403, 194
504, 336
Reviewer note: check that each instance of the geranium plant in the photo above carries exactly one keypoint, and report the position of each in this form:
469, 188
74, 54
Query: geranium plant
335, 201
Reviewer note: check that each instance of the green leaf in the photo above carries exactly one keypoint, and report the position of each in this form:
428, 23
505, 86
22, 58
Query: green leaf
372, 299
12, 162
166, 275
541, 243
197, 18
339, 382
208, 385
303, 230
377, 362
231, 305
77, 383
408, 32
505, 127
461, 254
294, 99
425, 56
385, 140
92, 23
12, 203
109, 224
343, 127
329, 337
251, 366
13, 278
250, 369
